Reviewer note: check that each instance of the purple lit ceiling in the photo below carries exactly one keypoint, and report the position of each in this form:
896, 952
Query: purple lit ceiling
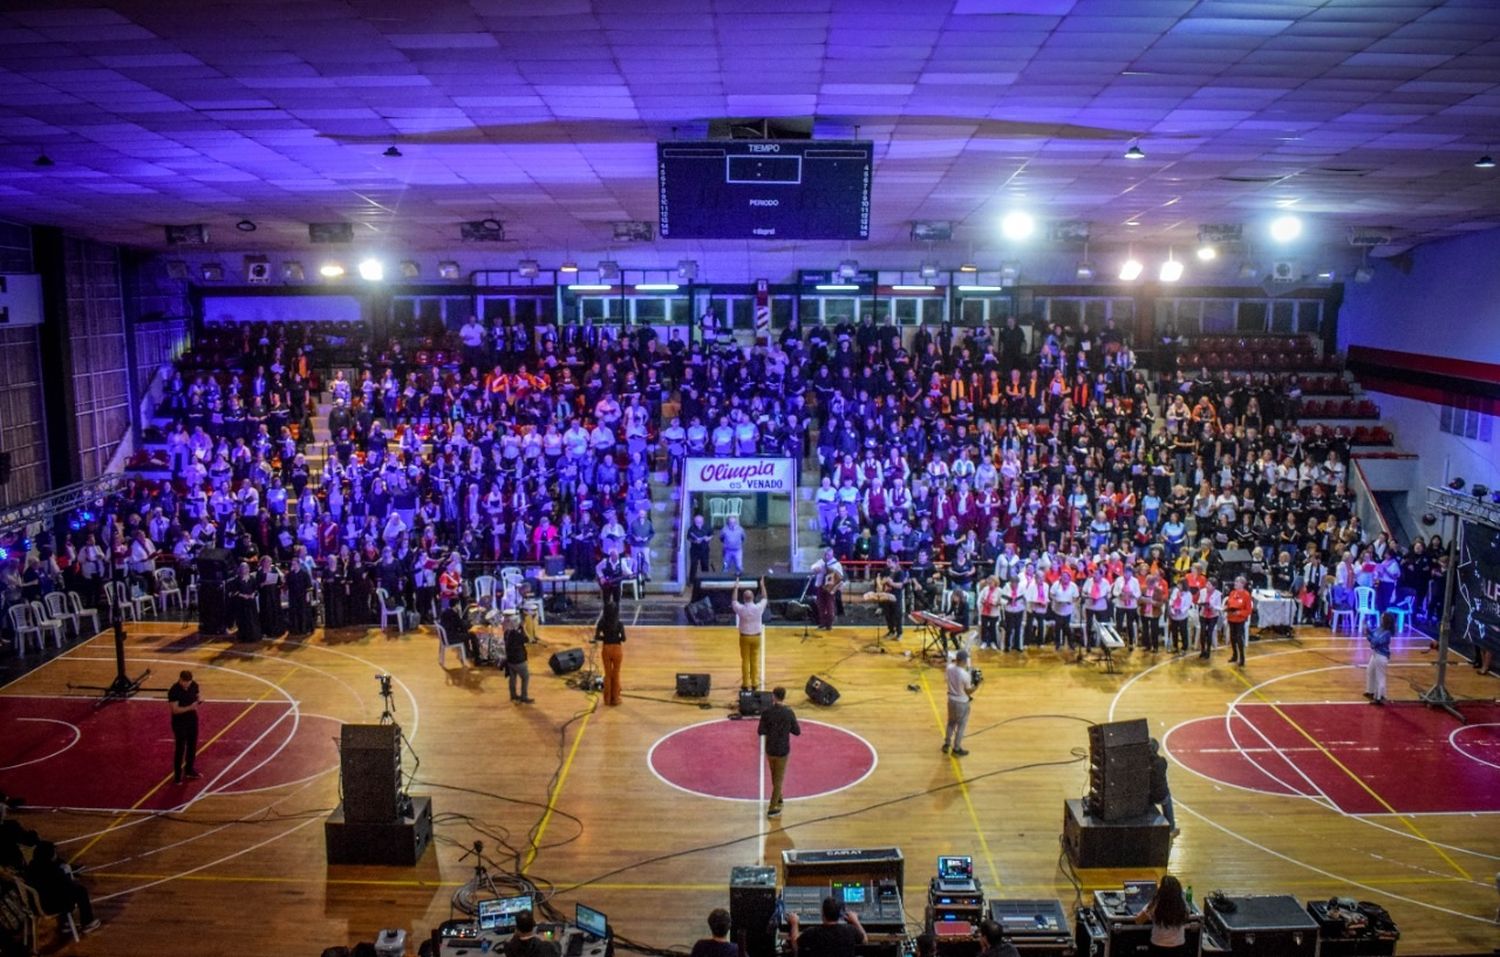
543, 113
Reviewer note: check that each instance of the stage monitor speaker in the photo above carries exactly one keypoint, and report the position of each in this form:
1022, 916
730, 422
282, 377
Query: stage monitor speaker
820, 692
700, 612
752, 909
753, 703
215, 564
565, 662
370, 772
1232, 562
692, 685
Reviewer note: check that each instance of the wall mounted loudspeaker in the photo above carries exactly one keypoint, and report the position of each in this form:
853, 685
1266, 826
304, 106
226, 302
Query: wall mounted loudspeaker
820, 692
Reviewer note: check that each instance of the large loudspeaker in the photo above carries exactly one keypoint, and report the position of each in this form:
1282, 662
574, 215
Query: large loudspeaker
1232, 562
1119, 770
752, 909
370, 771
1144, 840
564, 662
215, 564
692, 685
821, 692
213, 609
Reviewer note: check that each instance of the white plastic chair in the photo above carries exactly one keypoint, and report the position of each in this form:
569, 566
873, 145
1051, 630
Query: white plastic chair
22, 625
166, 588
389, 611
717, 509
733, 506
81, 612
1402, 612
1345, 613
47, 624
56, 604
1364, 607
192, 594
33, 912
631, 580
119, 604
484, 585
463, 655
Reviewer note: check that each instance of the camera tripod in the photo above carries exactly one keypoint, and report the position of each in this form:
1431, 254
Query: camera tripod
480, 883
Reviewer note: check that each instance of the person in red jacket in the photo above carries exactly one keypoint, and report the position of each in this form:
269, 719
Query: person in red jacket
1239, 604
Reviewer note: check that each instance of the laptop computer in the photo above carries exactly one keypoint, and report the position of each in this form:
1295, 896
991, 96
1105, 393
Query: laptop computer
593, 923
499, 915
956, 873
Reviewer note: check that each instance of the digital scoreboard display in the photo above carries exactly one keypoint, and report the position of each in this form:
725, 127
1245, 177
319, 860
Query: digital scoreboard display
764, 189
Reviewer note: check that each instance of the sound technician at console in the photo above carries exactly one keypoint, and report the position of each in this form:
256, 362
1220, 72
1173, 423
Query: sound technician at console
525, 942
840, 934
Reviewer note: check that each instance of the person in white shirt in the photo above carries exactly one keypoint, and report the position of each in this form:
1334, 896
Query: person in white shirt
1063, 596
1180, 604
1014, 592
960, 683
991, 598
1127, 597
1037, 603
1210, 614
749, 617
1096, 598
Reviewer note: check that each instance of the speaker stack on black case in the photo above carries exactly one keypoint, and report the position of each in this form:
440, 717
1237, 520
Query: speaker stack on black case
371, 826
820, 692
566, 662
752, 909
215, 569
694, 685
1116, 825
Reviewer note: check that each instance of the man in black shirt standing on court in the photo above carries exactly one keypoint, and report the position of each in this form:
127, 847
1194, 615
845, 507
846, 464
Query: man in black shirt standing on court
777, 724
839, 935
182, 698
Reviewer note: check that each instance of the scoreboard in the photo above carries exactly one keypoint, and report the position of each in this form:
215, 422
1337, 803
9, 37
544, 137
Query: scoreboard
764, 189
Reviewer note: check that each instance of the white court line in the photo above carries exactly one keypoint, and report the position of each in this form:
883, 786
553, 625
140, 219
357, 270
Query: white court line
1230, 713
210, 787
1167, 736
77, 736
874, 762
761, 787
1451, 743
203, 867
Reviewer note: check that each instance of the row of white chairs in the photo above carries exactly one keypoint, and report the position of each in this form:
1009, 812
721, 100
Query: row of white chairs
58, 613
1364, 610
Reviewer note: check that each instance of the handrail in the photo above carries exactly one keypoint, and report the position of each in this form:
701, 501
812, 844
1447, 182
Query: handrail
1364, 498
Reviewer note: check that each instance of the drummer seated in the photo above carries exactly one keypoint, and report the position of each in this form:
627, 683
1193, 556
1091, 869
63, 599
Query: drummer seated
455, 624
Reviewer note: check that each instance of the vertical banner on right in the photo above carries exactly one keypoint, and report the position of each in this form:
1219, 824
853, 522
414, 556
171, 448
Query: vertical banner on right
1476, 597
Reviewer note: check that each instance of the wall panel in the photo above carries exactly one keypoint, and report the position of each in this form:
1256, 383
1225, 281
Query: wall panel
22, 428
96, 329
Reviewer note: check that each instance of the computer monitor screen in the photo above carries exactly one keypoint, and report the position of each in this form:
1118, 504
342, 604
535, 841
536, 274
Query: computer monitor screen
500, 914
955, 868
851, 893
590, 921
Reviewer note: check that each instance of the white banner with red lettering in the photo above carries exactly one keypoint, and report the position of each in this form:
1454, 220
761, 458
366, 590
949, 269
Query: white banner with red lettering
743, 475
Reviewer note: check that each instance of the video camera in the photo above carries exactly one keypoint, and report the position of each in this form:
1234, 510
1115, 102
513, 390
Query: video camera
977, 675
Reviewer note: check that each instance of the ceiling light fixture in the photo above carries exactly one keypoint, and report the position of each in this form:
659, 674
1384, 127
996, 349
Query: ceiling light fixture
568, 266
371, 270
392, 152
848, 269
1131, 269
656, 287
929, 269
331, 270
410, 269
1284, 229
969, 267
1484, 162
589, 287
914, 287
1017, 225
1171, 270
980, 288
44, 161
447, 269
1207, 253
1135, 152
836, 287
245, 226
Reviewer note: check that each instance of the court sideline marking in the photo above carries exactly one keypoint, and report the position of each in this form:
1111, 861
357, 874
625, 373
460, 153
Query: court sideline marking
958, 774
562, 778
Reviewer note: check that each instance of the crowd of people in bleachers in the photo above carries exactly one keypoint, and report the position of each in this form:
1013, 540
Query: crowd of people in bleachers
979, 456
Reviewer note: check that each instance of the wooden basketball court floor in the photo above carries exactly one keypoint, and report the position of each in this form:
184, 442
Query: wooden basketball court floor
1285, 781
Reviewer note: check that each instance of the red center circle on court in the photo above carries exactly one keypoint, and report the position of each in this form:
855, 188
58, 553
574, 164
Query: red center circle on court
722, 759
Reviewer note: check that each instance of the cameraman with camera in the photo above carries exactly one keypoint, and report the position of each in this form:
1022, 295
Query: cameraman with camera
961, 685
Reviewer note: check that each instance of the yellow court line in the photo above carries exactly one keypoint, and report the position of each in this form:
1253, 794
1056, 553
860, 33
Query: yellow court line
275, 686
958, 772
1354, 777
562, 778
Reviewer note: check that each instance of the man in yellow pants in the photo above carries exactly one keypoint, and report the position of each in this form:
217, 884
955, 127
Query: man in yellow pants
748, 614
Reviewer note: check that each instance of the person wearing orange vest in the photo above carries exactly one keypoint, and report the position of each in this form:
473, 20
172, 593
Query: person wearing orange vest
1238, 607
